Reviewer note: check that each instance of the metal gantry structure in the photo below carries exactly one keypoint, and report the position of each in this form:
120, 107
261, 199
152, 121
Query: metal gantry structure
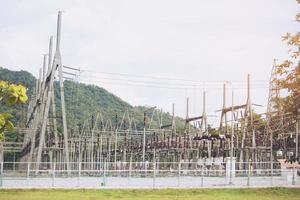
99, 140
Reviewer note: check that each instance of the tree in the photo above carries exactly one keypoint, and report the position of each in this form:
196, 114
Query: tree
10, 94
289, 73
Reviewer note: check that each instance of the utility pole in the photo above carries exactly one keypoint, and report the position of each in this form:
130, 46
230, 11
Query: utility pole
62, 95
52, 92
44, 70
245, 123
173, 122
187, 116
223, 113
204, 117
48, 92
204, 127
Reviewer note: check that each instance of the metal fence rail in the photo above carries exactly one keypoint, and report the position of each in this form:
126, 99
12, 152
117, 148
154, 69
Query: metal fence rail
146, 175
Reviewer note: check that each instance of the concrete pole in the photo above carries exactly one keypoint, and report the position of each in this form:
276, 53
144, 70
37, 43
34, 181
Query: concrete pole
204, 118
62, 95
50, 55
44, 69
54, 116
43, 89
187, 115
204, 113
36, 89
251, 113
161, 118
48, 92
52, 92
245, 123
40, 83
224, 114
173, 122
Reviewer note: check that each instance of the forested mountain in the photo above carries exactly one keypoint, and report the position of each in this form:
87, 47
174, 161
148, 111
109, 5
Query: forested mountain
81, 102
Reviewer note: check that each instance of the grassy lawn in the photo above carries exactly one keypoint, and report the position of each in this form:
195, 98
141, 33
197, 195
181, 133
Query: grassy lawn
164, 194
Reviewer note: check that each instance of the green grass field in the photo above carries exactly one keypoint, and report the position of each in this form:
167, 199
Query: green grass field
164, 194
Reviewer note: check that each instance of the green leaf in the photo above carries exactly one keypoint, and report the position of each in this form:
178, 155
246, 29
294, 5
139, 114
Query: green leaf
2, 120
9, 126
23, 98
7, 115
11, 100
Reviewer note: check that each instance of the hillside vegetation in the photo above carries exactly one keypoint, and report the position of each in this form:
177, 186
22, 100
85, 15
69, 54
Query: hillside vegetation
82, 101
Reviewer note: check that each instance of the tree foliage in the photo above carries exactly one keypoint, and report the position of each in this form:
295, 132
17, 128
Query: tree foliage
288, 73
10, 94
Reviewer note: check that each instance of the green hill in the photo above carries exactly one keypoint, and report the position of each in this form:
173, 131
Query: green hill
81, 102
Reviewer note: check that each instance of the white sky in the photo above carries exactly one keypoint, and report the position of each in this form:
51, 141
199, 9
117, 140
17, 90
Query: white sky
207, 40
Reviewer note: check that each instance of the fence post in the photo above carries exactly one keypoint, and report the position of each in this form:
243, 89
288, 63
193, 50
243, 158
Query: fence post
248, 180
28, 173
179, 169
130, 167
79, 172
271, 172
1, 175
293, 181
154, 170
53, 174
202, 175
104, 173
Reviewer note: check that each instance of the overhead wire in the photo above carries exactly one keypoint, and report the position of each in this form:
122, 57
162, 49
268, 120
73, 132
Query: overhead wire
91, 77
168, 86
160, 78
253, 84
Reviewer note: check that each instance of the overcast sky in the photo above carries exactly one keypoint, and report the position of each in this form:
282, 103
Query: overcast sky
210, 41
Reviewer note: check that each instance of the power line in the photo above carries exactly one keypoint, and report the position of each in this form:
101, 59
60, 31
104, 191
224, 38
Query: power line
204, 84
158, 86
162, 78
